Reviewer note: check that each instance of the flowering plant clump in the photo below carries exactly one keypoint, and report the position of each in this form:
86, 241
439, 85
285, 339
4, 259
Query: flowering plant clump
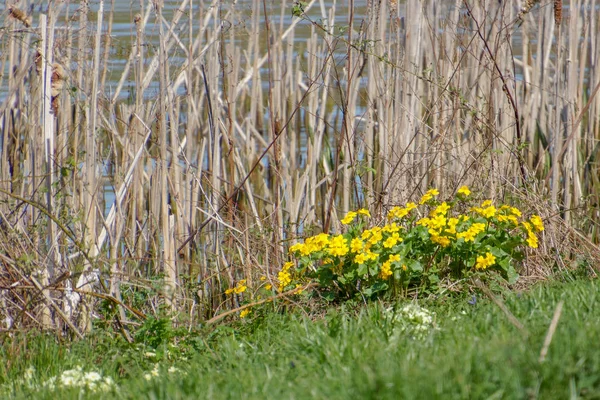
77, 377
412, 320
418, 245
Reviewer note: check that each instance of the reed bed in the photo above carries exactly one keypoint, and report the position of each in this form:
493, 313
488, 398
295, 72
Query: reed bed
233, 128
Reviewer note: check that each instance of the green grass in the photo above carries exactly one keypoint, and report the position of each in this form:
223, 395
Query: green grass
473, 353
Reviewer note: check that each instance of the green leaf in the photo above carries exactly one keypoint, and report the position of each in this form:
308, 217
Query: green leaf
415, 266
298, 8
362, 270
375, 288
512, 275
504, 263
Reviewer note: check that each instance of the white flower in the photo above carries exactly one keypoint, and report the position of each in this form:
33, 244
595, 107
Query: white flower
29, 372
412, 320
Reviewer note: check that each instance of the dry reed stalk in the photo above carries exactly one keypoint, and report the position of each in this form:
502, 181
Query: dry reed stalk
165, 235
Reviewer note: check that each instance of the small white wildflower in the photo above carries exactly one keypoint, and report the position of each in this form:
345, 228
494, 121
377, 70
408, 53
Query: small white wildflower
50, 383
29, 372
412, 320
92, 380
149, 354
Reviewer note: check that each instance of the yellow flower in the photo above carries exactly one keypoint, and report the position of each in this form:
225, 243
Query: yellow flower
486, 203
365, 212
244, 313
537, 223
314, 244
229, 291
360, 258
284, 279
441, 240
386, 270
404, 267
394, 257
286, 266
488, 212
371, 256
532, 240
469, 234
424, 221
240, 287
349, 218
438, 222
268, 286
296, 248
392, 228
485, 262
376, 235
515, 211
503, 218
464, 190
430, 194
452, 222
478, 227
392, 240
338, 246
356, 245
440, 210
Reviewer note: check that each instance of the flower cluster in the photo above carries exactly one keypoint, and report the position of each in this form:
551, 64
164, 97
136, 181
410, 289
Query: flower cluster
347, 220
77, 377
435, 237
284, 276
484, 262
411, 320
155, 372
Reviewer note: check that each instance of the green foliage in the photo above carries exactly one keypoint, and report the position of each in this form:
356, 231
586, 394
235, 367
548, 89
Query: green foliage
298, 8
420, 246
449, 349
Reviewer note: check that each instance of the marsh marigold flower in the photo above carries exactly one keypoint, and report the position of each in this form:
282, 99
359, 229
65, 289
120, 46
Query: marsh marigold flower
347, 220
463, 190
485, 262
338, 246
392, 240
386, 270
356, 245
365, 212
537, 223
430, 194
532, 240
